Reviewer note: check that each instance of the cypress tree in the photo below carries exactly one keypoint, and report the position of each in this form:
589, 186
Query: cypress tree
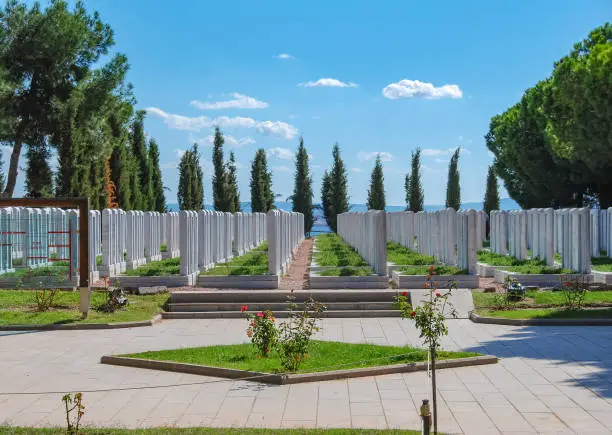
302, 190
262, 198
190, 190
158, 203
2, 176
219, 182
491, 198
136, 199
453, 189
326, 197
416, 190
120, 163
232, 185
407, 191
340, 200
376, 193
139, 149
39, 178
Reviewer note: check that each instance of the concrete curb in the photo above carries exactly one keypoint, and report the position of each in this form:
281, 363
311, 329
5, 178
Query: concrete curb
83, 326
283, 379
539, 322
444, 281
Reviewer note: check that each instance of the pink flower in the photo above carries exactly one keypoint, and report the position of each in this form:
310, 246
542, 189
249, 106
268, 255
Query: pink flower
244, 308
260, 314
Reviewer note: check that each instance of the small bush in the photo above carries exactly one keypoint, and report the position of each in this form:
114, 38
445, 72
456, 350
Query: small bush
44, 299
262, 331
574, 291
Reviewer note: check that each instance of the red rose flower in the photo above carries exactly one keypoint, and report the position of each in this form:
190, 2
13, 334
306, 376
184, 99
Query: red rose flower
404, 294
412, 314
260, 314
244, 308
437, 294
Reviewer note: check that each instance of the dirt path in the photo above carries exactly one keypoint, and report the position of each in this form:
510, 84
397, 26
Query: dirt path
296, 277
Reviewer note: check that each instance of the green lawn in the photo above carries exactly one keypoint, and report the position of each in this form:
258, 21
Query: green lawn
534, 297
601, 264
333, 251
17, 307
5, 430
167, 267
347, 271
512, 264
322, 356
57, 269
548, 313
254, 262
401, 255
438, 269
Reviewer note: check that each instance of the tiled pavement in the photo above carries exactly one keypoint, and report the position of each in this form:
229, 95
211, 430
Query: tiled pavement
550, 380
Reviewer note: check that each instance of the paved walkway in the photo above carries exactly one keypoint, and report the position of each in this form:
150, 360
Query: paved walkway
550, 380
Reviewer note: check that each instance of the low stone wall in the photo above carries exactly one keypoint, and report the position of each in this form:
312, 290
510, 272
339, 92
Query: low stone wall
486, 270
539, 280
347, 282
239, 281
602, 277
38, 282
444, 281
154, 281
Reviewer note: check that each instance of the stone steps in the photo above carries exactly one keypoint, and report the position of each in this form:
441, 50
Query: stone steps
275, 306
279, 314
271, 296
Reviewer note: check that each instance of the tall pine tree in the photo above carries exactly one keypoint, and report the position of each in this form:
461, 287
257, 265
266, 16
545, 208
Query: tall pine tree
221, 200
141, 156
376, 194
232, 185
326, 197
190, 190
491, 198
39, 178
302, 188
262, 198
340, 200
453, 189
158, 202
416, 190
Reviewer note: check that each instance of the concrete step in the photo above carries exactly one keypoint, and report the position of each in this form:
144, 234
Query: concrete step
280, 296
275, 306
281, 314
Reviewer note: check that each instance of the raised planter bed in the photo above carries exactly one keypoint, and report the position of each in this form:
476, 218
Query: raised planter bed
486, 270
154, 281
38, 282
318, 281
239, 281
539, 280
602, 277
417, 281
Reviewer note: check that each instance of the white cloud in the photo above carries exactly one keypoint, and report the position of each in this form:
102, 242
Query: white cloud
357, 170
364, 156
281, 153
270, 128
239, 102
285, 56
281, 168
429, 152
277, 128
328, 83
229, 140
179, 153
441, 161
417, 89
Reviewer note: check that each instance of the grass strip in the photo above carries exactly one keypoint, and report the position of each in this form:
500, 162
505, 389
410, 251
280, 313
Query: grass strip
332, 251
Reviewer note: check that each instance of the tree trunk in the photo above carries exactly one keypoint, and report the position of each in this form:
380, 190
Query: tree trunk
433, 392
11, 178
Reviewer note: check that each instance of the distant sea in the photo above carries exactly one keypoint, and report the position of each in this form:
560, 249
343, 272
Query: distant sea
320, 226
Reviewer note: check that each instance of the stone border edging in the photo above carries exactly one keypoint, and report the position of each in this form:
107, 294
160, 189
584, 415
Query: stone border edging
539, 322
284, 379
83, 326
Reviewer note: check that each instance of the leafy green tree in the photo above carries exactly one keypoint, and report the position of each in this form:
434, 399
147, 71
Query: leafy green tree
407, 191
376, 193
326, 197
141, 155
491, 198
158, 203
191, 188
302, 188
262, 197
232, 185
45, 54
453, 188
339, 194
39, 178
221, 199
120, 161
416, 190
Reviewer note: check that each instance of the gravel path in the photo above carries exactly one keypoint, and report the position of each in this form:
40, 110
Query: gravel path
296, 277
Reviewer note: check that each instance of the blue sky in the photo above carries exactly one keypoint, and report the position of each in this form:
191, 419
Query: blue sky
406, 74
